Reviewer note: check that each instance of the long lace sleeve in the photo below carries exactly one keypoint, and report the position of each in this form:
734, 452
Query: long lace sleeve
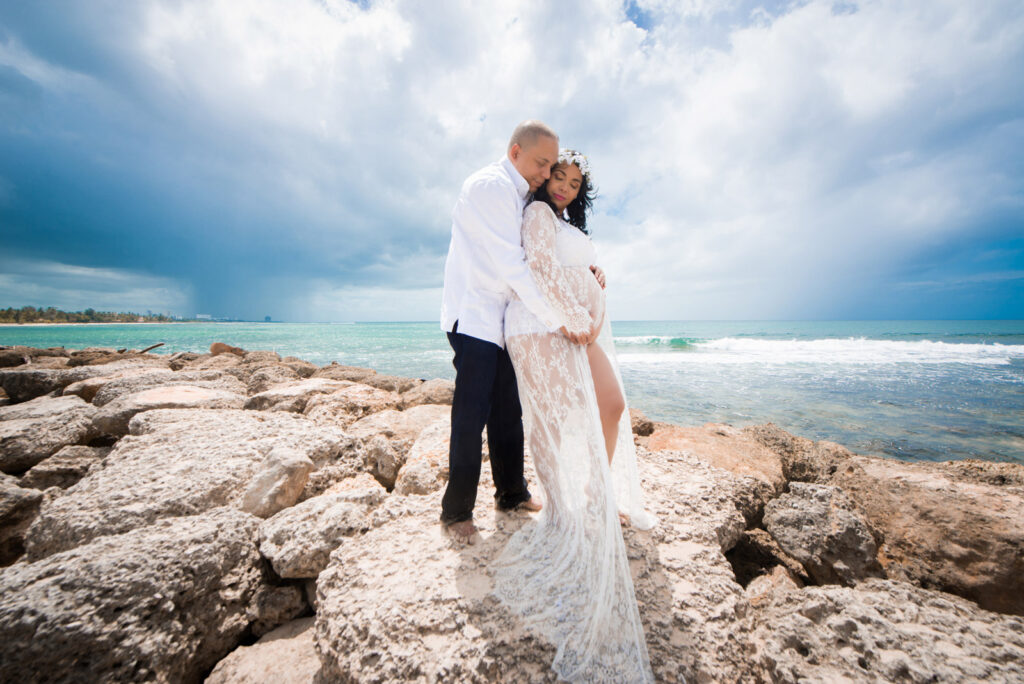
540, 228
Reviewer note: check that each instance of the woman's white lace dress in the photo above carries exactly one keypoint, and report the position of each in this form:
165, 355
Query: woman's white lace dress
566, 573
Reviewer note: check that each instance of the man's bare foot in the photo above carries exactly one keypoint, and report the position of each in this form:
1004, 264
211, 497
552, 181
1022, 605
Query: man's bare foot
463, 531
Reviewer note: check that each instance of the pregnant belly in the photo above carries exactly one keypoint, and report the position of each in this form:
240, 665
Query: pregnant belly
586, 291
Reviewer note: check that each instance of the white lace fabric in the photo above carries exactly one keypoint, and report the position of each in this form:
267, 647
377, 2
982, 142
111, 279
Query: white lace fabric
566, 573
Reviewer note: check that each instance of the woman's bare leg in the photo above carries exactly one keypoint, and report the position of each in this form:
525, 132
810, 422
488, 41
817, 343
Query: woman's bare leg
610, 402
609, 397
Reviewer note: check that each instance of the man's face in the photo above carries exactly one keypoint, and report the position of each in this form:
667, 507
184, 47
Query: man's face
534, 162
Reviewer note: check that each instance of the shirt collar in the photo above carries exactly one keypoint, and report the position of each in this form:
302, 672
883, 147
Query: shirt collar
522, 185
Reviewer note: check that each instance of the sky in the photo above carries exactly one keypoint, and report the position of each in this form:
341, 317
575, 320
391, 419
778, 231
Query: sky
299, 159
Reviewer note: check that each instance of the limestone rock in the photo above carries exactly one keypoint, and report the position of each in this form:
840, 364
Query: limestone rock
163, 603
335, 371
292, 396
286, 655
223, 348
757, 553
436, 391
304, 369
946, 526
362, 488
36, 429
4, 399
298, 541
27, 382
279, 484
176, 462
130, 384
820, 527
378, 620
426, 469
18, 506
221, 362
87, 389
802, 459
641, 424
391, 383
273, 606
882, 631
264, 378
777, 580
179, 360
113, 418
348, 404
723, 446
64, 468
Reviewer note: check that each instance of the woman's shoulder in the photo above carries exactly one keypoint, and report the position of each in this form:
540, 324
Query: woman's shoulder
541, 208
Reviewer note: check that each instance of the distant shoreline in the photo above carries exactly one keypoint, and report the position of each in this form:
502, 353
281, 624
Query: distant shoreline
12, 325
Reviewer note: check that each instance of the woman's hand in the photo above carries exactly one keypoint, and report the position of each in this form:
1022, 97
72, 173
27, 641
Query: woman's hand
599, 274
582, 338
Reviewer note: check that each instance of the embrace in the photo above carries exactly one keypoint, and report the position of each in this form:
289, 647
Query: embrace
524, 310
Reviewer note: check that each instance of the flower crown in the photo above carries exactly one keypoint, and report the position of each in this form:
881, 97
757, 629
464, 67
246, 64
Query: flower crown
567, 156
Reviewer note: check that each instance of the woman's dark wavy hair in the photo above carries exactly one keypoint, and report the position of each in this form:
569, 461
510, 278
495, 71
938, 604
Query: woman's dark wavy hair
576, 212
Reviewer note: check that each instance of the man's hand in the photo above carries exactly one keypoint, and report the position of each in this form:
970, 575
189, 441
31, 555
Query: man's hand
599, 274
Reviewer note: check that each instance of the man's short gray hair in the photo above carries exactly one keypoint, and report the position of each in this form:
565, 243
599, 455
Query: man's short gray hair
527, 132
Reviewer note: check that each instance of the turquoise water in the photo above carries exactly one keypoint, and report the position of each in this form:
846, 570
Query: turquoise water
931, 390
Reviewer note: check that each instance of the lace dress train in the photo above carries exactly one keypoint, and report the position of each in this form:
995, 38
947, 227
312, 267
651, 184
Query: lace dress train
566, 573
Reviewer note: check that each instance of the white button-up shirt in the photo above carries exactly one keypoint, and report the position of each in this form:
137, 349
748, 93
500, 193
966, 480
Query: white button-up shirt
486, 262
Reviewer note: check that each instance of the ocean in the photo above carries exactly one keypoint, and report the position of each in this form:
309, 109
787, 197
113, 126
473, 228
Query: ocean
915, 390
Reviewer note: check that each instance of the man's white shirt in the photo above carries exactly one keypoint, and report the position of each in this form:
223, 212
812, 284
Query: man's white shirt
486, 262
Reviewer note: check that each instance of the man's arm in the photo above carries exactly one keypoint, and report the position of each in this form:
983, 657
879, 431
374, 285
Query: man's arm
490, 214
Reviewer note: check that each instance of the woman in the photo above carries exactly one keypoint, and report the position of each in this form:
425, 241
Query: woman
567, 575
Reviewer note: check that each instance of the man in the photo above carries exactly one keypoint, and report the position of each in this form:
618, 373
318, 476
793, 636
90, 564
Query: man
485, 265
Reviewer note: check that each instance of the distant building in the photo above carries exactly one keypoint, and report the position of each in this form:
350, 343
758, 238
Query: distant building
204, 317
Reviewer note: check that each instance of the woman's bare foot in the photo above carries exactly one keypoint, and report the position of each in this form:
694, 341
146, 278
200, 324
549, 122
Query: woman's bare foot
532, 505
623, 519
463, 531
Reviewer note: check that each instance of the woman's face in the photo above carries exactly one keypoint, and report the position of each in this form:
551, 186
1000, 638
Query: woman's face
564, 185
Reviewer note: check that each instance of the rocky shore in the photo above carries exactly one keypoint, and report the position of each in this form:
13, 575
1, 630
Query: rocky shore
242, 517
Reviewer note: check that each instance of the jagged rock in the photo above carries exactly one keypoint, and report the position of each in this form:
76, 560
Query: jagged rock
391, 383
361, 488
723, 446
179, 360
37, 429
286, 655
99, 357
64, 468
802, 459
4, 399
757, 553
298, 541
175, 462
882, 631
87, 389
223, 348
163, 603
279, 484
304, 369
426, 469
113, 418
823, 529
378, 620
401, 427
348, 404
130, 384
641, 424
273, 606
18, 507
221, 362
335, 371
436, 391
12, 357
292, 396
28, 382
264, 378
946, 526
779, 579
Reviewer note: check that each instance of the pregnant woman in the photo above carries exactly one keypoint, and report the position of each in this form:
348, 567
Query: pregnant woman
566, 574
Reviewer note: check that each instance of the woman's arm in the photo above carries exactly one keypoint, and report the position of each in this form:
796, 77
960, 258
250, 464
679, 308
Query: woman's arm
539, 230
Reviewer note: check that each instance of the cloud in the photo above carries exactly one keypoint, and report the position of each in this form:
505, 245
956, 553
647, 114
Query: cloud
754, 160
